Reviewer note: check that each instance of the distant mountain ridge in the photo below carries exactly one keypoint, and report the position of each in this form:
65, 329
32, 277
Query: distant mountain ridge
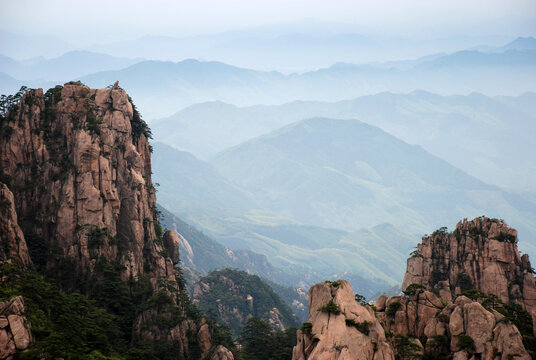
163, 87
246, 227
467, 131
326, 175
347, 174
69, 66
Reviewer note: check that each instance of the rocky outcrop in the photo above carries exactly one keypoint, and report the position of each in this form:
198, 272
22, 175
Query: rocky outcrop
13, 245
15, 332
78, 164
77, 171
431, 319
462, 330
414, 315
479, 254
339, 327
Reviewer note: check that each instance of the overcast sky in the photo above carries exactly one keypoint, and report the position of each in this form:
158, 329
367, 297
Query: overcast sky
107, 20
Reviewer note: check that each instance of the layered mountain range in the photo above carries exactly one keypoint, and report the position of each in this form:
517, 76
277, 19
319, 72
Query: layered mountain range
175, 85
324, 188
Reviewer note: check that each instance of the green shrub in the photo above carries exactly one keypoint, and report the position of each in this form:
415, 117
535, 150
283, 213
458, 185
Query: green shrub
6, 131
362, 327
393, 308
441, 231
505, 237
413, 289
331, 307
307, 327
405, 348
361, 299
437, 276
465, 342
464, 282
437, 348
415, 253
139, 126
260, 342
64, 325
474, 294
333, 283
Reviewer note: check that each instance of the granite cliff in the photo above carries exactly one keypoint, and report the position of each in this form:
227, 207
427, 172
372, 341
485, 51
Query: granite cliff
467, 295
78, 205
479, 254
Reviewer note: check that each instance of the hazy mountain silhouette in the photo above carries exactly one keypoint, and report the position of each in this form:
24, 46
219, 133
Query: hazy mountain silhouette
476, 133
67, 67
347, 174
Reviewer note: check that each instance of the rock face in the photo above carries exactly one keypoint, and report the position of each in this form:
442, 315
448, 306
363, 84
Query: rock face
171, 244
77, 171
15, 332
462, 330
481, 254
348, 331
431, 320
79, 167
11, 237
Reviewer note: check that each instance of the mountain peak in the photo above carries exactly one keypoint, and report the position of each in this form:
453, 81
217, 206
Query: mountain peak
522, 43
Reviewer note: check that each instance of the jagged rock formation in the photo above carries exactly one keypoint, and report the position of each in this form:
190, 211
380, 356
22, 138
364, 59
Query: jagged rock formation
235, 296
339, 327
419, 323
432, 320
80, 174
15, 331
77, 169
481, 254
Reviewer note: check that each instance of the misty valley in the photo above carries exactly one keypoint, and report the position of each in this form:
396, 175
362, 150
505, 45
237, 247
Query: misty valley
306, 190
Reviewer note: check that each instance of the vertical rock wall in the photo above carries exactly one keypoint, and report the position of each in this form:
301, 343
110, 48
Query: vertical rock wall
81, 179
75, 173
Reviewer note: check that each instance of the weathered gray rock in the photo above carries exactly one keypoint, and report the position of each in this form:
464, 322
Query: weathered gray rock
414, 314
481, 253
